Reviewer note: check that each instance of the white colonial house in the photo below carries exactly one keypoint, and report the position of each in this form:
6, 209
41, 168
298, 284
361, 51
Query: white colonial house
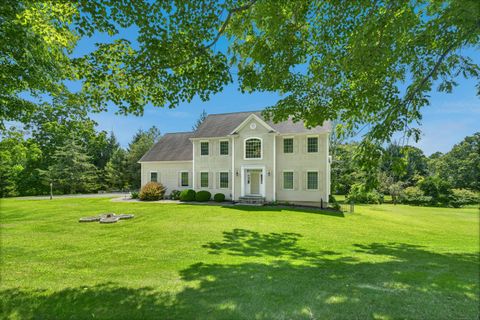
245, 157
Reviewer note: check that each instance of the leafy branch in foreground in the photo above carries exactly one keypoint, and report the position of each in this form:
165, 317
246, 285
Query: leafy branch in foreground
368, 64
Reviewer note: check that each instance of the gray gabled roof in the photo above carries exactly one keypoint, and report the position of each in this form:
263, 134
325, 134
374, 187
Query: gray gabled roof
221, 125
171, 147
178, 147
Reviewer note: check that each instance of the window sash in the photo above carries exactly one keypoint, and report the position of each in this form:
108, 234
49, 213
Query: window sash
253, 149
312, 144
204, 148
288, 180
154, 176
184, 179
224, 180
288, 145
312, 180
203, 179
223, 148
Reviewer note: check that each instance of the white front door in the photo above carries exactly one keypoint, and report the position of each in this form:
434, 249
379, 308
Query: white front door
254, 182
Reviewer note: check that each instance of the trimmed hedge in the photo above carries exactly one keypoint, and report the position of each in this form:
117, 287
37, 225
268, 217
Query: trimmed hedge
187, 195
175, 195
152, 191
219, 197
203, 196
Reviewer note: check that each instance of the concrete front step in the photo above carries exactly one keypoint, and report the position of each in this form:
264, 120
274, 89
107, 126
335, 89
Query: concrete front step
256, 200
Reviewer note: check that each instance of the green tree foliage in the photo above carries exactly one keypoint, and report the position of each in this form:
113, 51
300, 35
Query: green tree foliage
72, 170
116, 171
35, 40
15, 156
437, 188
365, 63
63, 146
404, 163
461, 166
51, 127
142, 142
345, 170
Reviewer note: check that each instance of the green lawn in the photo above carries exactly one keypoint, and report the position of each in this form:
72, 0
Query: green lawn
207, 262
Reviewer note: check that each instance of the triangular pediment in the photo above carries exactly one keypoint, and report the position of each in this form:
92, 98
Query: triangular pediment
249, 119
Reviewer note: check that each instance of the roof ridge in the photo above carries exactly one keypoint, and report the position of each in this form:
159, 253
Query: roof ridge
178, 132
237, 112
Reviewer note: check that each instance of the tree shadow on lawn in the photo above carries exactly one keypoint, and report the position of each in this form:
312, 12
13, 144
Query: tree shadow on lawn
277, 208
293, 282
280, 208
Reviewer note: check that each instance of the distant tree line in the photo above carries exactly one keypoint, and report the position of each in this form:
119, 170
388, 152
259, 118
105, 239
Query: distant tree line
65, 149
62, 147
408, 175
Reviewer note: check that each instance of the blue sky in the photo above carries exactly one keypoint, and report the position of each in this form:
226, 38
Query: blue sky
448, 119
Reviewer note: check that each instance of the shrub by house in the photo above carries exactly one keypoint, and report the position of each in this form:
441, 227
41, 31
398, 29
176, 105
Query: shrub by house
152, 191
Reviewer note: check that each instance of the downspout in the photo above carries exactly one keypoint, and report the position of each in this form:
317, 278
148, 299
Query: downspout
193, 165
327, 169
274, 167
233, 168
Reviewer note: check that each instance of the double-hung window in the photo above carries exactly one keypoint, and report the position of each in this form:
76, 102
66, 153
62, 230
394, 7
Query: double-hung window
288, 180
204, 148
154, 176
312, 144
224, 180
223, 148
184, 179
204, 179
312, 180
288, 145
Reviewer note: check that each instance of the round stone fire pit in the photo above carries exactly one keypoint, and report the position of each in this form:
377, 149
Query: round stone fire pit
107, 218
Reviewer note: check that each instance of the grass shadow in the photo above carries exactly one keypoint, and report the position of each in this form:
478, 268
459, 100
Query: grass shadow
279, 208
242, 242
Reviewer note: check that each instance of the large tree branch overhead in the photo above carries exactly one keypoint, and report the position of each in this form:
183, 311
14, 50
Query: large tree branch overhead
202, 49
348, 61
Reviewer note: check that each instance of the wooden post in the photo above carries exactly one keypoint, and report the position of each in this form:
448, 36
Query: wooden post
352, 207
51, 190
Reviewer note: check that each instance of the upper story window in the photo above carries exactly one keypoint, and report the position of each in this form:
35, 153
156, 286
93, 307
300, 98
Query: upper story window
288, 145
154, 176
253, 148
204, 148
223, 148
312, 144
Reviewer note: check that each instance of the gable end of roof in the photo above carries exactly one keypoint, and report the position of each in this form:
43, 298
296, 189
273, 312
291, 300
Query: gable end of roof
171, 147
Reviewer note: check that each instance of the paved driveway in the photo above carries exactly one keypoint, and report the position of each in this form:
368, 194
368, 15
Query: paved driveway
66, 196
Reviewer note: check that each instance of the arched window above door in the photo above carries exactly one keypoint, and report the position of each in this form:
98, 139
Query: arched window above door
253, 148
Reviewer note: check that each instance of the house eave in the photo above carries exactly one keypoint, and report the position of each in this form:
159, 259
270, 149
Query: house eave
163, 161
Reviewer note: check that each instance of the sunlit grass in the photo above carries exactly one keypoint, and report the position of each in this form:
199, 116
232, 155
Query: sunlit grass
186, 261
